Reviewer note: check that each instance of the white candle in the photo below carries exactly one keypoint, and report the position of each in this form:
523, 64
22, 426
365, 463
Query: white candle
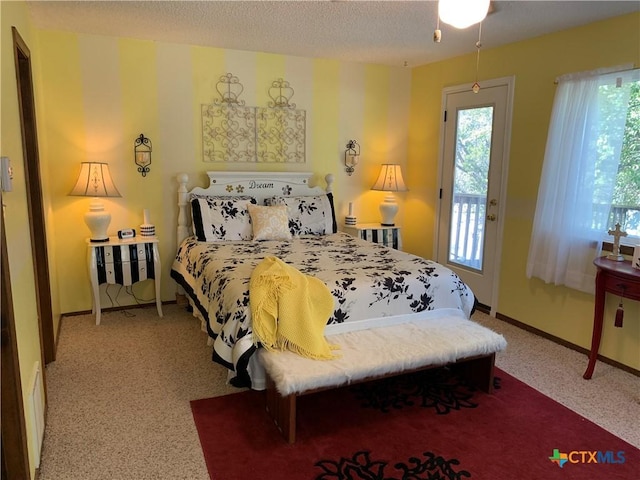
145, 214
350, 209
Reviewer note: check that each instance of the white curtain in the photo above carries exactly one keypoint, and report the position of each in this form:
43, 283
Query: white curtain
563, 240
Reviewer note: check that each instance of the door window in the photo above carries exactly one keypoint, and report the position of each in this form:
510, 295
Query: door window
470, 181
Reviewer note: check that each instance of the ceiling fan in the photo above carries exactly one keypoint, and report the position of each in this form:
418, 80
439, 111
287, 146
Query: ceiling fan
462, 14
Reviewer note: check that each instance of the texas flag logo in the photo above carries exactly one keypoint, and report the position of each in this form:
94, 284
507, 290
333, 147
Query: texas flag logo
559, 458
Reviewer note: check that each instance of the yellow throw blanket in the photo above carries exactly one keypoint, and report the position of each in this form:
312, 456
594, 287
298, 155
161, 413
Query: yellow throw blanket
289, 309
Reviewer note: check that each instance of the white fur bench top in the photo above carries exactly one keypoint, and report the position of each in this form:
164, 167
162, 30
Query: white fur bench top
380, 351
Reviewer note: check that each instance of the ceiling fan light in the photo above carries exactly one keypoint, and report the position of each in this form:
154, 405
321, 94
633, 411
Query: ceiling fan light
462, 13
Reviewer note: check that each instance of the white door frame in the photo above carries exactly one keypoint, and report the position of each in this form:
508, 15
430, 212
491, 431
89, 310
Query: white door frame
510, 83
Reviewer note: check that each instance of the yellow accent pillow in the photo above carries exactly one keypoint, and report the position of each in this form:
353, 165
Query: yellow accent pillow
270, 223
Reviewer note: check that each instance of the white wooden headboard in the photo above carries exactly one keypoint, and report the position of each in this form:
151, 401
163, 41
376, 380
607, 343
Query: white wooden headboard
259, 185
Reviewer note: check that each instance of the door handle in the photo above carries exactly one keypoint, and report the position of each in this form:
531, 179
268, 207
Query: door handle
491, 217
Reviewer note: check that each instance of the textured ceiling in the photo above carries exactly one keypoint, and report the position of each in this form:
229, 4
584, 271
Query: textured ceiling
384, 32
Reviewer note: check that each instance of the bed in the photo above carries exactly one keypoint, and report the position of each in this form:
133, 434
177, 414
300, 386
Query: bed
373, 286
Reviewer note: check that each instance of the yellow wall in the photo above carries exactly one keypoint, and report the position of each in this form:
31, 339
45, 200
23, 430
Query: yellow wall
95, 95
16, 208
535, 64
100, 93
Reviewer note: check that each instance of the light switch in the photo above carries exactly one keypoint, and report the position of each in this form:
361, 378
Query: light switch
6, 174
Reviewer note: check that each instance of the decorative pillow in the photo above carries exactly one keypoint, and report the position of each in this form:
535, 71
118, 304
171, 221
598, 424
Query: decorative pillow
220, 218
309, 215
270, 223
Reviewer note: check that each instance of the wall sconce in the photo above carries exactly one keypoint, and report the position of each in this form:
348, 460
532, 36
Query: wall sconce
351, 156
142, 154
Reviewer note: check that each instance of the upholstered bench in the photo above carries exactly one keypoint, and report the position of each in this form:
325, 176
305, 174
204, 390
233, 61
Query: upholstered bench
376, 353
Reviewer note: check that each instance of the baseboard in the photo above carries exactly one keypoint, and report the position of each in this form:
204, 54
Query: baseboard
565, 343
55, 353
481, 307
120, 307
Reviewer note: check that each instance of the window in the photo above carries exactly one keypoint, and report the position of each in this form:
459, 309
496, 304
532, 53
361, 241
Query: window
624, 207
591, 175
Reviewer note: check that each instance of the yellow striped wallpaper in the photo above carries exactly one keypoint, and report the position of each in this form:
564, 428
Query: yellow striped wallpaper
100, 93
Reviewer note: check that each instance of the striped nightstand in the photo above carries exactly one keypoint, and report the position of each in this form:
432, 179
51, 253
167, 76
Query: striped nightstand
376, 233
123, 262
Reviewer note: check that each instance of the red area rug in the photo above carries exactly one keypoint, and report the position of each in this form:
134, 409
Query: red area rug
423, 426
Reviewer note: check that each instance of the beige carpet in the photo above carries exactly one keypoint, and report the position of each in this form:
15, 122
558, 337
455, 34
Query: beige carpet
119, 393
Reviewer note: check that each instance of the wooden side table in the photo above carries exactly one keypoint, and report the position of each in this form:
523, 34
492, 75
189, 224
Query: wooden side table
376, 233
618, 278
123, 262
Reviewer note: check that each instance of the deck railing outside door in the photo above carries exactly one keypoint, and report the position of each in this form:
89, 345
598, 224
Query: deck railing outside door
468, 217
466, 240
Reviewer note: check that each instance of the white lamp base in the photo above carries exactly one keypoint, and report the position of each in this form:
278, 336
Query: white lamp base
97, 219
388, 210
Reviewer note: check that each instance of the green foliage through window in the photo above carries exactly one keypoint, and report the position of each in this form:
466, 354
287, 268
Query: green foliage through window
473, 150
625, 208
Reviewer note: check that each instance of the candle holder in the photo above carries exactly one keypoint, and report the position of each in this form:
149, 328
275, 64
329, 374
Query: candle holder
142, 154
350, 219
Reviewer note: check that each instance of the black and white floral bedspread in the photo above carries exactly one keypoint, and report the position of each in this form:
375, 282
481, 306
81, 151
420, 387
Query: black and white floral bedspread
367, 281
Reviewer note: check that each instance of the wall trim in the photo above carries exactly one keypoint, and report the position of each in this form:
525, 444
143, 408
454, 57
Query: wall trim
565, 343
114, 309
480, 307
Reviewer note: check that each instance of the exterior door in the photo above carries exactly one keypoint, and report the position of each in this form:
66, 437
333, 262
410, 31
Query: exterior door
474, 152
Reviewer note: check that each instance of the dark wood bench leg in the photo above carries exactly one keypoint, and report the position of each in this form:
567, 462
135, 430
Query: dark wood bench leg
478, 372
282, 410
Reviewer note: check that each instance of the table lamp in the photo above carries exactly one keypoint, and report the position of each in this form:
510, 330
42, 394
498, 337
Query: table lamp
95, 181
390, 180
